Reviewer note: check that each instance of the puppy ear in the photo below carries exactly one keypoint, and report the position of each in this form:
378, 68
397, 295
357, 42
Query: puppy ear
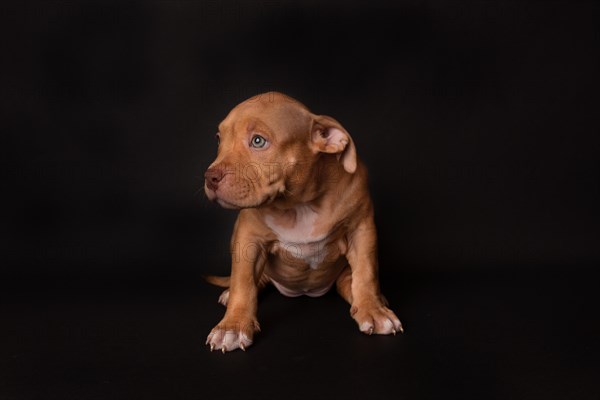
329, 136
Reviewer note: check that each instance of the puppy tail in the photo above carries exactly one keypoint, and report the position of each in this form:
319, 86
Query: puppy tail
221, 281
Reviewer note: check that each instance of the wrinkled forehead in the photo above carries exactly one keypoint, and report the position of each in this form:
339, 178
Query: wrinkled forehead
280, 115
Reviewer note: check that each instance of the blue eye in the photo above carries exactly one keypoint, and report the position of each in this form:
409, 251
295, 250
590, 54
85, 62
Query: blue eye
258, 142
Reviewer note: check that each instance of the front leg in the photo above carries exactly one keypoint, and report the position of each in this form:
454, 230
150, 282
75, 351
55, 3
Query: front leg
238, 326
368, 306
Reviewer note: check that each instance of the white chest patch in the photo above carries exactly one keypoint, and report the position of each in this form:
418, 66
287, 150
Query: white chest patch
299, 237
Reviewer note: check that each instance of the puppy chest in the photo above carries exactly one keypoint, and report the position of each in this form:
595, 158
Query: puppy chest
313, 254
300, 238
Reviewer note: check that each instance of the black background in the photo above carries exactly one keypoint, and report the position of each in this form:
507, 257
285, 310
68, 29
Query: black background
478, 122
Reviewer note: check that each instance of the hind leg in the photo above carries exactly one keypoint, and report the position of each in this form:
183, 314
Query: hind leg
262, 283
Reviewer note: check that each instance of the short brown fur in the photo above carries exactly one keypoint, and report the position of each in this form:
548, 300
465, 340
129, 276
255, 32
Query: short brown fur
306, 178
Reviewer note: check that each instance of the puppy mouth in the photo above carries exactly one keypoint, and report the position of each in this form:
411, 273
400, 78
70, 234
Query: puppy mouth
240, 205
237, 204
226, 204
213, 196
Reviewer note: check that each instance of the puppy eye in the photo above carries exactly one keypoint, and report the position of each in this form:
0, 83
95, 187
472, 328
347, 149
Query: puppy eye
258, 142
218, 137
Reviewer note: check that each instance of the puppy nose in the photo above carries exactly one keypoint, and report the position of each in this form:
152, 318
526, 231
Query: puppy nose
212, 177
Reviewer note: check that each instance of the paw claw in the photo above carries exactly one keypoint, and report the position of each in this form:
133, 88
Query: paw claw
229, 337
376, 319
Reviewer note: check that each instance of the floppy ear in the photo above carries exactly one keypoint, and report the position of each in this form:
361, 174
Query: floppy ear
329, 136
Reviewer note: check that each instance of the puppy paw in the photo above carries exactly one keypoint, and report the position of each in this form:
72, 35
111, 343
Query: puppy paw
376, 319
229, 335
224, 297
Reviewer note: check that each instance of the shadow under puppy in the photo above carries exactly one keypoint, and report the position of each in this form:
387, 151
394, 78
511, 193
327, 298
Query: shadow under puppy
306, 217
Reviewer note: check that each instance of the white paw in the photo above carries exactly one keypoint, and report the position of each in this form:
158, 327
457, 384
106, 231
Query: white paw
223, 340
378, 320
224, 297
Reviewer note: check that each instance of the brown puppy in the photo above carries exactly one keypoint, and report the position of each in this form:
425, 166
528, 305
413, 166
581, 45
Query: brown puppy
306, 219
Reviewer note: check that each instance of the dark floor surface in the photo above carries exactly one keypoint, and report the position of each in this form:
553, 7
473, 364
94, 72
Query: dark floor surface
502, 334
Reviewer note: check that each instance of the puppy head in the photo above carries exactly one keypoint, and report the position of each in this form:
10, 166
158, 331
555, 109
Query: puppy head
272, 147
